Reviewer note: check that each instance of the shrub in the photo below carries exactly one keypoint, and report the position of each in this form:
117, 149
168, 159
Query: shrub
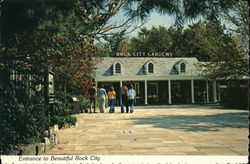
61, 111
83, 101
24, 120
68, 102
20, 120
71, 120
61, 115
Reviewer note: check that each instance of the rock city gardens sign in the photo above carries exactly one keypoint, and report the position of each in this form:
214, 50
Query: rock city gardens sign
143, 54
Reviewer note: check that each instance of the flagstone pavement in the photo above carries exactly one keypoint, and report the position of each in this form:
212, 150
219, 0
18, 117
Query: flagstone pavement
157, 130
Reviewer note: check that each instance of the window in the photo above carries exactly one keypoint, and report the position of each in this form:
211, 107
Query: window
183, 68
150, 68
117, 68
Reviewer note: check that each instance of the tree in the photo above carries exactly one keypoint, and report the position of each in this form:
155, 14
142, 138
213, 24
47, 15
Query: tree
238, 19
226, 51
157, 39
182, 9
38, 34
209, 41
228, 59
45, 31
197, 40
201, 39
114, 43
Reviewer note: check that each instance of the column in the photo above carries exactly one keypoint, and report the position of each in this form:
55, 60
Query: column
219, 99
214, 92
146, 92
120, 93
192, 91
207, 91
169, 92
96, 84
120, 83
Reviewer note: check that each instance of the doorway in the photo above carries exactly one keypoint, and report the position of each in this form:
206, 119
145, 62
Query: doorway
153, 93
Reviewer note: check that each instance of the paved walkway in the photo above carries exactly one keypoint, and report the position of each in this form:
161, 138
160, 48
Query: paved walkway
158, 130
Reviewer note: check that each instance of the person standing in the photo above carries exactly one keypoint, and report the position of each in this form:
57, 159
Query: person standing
131, 98
92, 97
112, 98
102, 95
124, 97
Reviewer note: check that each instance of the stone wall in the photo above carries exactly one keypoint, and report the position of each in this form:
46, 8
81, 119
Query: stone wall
47, 143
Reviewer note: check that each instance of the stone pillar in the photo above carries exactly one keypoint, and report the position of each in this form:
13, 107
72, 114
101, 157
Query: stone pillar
192, 91
214, 92
207, 91
169, 92
56, 128
46, 144
146, 92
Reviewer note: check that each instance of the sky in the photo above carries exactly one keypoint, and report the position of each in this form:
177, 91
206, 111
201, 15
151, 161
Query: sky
155, 19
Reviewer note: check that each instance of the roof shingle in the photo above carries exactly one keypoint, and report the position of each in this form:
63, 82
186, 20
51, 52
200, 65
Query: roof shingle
134, 66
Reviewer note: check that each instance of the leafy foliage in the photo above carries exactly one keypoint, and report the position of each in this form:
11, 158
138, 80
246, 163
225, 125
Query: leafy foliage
157, 39
39, 34
183, 10
63, 34
238, 18
225, 48
114, 43
222, 53
20, 120
228, 58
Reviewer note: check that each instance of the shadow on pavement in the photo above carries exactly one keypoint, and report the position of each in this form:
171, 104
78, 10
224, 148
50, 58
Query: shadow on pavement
183, 106
197, 122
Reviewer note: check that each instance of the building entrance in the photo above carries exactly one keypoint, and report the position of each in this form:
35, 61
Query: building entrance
181, 92
153, 93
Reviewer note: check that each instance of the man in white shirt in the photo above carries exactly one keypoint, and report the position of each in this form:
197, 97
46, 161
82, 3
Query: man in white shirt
131, 98
102, 95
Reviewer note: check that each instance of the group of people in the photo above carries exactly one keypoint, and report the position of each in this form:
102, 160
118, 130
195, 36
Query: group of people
127, 96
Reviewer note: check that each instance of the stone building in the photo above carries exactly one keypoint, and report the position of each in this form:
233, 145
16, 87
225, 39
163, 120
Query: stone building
158, 80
